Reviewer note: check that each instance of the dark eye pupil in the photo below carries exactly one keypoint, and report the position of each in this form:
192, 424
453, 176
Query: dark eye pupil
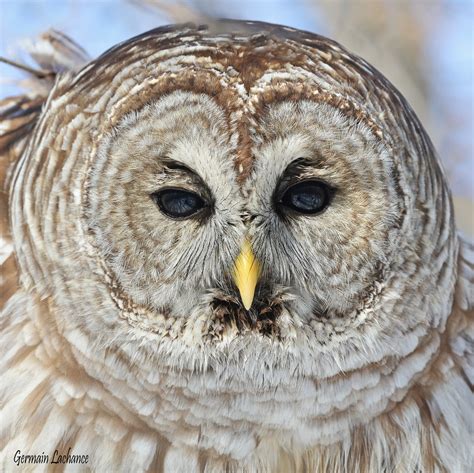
308, 197
177, 203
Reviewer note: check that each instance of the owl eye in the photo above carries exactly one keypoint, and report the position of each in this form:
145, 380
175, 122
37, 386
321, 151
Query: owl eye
307, 197
178, 203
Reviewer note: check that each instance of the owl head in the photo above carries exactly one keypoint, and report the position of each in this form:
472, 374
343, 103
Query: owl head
197, 197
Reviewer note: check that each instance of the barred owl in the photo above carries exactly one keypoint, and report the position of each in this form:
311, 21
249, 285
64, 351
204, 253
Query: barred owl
228, 248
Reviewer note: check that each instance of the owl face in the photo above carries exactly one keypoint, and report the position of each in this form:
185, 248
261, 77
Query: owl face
226, 196
170, 213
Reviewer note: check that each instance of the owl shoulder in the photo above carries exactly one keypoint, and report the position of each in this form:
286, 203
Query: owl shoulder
54, 54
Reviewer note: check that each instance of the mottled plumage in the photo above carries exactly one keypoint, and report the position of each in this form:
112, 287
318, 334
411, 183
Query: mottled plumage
123, 333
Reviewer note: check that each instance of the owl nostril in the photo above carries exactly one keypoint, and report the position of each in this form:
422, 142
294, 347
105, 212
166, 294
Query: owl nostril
247, 217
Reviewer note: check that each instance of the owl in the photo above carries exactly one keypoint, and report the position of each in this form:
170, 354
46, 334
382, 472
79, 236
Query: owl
228, 247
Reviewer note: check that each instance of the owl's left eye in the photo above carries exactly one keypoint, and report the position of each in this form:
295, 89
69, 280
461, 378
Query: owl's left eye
178, 203
306, 197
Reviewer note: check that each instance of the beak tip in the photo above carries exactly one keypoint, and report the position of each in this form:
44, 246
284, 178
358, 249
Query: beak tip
247, 300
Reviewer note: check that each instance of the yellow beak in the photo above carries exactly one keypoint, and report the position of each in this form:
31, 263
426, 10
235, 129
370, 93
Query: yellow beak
246, 274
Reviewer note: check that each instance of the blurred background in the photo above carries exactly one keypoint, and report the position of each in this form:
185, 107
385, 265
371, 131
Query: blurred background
425, 47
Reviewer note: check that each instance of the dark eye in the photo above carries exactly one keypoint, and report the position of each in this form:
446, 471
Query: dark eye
307, 197
178, 203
